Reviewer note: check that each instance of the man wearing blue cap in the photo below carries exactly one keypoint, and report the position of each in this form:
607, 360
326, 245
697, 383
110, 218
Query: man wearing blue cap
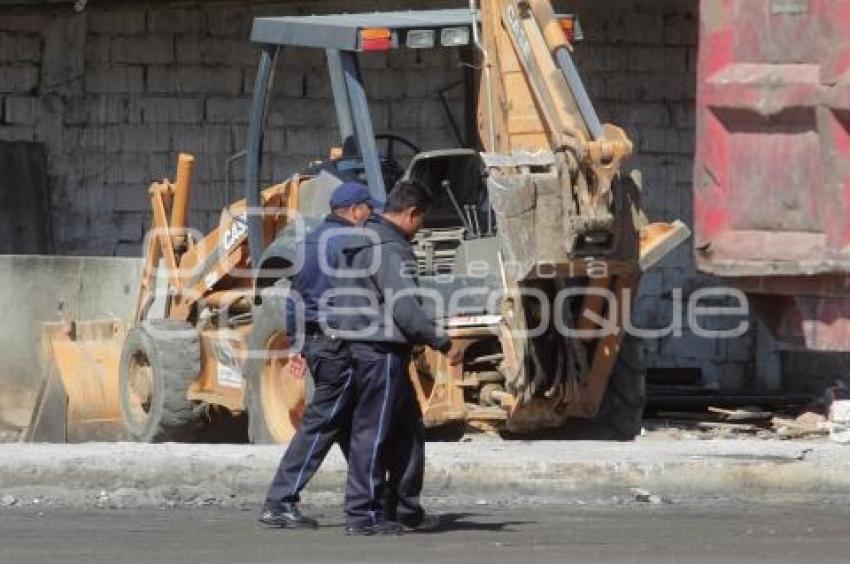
328, 414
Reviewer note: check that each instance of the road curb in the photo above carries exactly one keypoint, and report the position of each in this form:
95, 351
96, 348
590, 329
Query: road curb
128, 474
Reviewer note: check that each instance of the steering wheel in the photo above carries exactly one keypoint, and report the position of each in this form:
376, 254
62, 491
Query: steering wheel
390, 155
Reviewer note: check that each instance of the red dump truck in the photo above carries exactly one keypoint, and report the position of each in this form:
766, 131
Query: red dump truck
772, 170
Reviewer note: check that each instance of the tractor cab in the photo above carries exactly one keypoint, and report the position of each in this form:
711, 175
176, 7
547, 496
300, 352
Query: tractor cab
378, 159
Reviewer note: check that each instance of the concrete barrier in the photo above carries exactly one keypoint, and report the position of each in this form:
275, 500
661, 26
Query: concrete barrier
31, 289
511, 472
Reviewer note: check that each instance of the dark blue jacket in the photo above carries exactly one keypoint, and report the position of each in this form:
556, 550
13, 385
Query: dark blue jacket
311, 283
384, 304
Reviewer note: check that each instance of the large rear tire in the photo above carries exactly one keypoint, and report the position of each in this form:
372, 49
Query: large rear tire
621, 410
275, 397
159, 361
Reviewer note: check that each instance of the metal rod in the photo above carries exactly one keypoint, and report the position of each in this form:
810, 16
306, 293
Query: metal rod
254, 149
448, 109
363, 125
474, 213
447, 185
341, 102
485, 68
469, 215
585, 106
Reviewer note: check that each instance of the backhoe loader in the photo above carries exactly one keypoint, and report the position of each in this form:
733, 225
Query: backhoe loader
530, 254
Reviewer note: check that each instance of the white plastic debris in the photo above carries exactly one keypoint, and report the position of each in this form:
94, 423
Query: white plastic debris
839, 421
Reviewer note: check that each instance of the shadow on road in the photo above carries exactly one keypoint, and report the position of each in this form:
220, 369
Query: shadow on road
458, 522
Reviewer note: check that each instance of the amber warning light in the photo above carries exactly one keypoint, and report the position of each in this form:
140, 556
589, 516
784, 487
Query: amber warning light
571, 27
376, 39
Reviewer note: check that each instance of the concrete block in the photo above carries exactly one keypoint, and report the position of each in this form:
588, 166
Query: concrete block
126, 169
96, 110
114, 79
623, 87
150, 49
126, 250
130, 198
637, 28
19, 110
64, 61
98, 48
18, 78
681, 29
684, 115
166, 110
194, 80
227, 22
690, 346
317, 85
668, 88
19, 48
130, 227
17, 133
420, 114
31, 22
234, 110
658, 59
174, 21
311, 142
203, 139
142, 138
212, 196
194, 50
304, 59
666, 140
309, 112
275, 140
639, 114
426, 83
740, 349
115, 22
384, 85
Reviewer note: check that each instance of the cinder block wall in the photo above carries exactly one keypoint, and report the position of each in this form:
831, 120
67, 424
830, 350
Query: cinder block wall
114, 92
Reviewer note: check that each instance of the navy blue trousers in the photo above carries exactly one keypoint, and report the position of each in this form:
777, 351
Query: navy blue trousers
326, 419
387, 437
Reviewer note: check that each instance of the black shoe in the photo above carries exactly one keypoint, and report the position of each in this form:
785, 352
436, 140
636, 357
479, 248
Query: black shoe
368, 530
427, 522
285, 515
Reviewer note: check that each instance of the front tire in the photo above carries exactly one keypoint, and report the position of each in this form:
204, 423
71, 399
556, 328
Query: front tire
159, 361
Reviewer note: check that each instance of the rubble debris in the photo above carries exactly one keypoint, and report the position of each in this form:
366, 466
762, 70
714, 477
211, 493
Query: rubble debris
644, 496
807, 424
8, 500
839, 421
741, 414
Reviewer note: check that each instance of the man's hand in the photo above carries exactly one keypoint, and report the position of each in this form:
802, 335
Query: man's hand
455, 355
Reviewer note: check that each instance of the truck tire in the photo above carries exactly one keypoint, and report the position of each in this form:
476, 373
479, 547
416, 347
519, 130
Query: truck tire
274, 397
620, 413
159, 361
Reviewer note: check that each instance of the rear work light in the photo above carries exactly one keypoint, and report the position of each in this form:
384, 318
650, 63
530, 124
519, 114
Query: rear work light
376, 39
454, 36
420, 38
572, 28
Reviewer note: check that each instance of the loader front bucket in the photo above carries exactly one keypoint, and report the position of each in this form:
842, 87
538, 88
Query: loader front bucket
78, 400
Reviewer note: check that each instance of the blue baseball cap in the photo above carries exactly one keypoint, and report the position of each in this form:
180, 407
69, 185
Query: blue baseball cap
352, 193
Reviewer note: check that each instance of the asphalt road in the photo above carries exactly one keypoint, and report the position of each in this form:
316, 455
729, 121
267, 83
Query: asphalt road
692, 532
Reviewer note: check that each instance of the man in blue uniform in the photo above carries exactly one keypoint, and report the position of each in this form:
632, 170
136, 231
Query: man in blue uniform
382, 318
327, 417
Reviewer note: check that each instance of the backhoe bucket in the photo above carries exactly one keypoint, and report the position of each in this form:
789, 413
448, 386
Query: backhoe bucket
79, 399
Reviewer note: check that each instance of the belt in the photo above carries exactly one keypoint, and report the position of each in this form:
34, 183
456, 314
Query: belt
313, 328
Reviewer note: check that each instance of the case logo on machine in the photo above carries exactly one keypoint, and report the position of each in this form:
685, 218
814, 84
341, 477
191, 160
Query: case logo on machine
235, 232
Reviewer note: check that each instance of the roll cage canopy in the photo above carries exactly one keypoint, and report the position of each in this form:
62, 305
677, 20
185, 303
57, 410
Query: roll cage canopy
343, 37
345, 32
